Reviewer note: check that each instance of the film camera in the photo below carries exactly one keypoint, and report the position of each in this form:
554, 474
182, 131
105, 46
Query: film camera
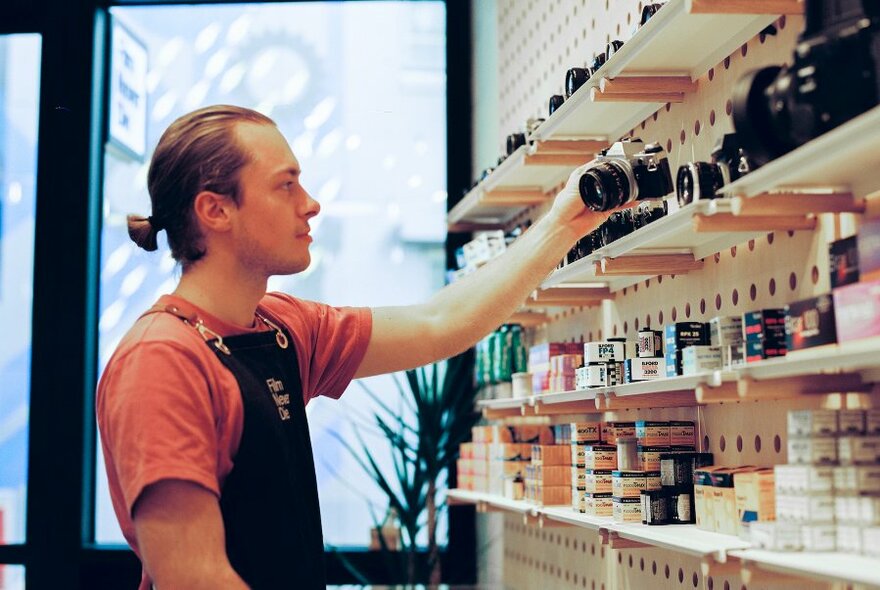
703, 180
629, 170
834, 77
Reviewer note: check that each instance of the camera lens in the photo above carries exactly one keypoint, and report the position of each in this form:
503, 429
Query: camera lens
698, 180
647, 12
574, 79
514, 141
555, 102
612, 48
604, 187
757, 127
598, 61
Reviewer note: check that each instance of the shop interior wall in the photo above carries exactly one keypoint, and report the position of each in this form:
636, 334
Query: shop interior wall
536, 43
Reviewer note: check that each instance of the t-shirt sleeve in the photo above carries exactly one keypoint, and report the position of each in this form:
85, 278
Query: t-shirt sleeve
332, 342
158, 419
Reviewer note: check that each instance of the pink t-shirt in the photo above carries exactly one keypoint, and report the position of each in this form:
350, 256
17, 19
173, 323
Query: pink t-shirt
167, 408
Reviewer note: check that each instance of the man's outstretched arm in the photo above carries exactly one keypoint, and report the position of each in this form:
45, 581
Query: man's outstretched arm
461, 313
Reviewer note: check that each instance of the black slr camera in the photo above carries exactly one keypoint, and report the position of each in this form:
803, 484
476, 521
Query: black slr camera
835, 76
629, 170
704, 180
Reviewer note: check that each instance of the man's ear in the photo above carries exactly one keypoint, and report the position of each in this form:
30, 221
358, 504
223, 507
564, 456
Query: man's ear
213, 210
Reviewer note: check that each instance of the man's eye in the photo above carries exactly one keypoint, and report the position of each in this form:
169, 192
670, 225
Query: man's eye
288, 185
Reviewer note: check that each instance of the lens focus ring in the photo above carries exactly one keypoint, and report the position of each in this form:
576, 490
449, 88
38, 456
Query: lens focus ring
604, 187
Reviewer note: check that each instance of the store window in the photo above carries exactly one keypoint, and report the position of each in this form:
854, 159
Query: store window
359, 90
19, 103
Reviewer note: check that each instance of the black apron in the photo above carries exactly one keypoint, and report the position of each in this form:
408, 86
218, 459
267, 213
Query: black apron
269, 500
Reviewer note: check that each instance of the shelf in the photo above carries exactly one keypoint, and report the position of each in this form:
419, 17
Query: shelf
834, 567
684, 39
849, 367
682, 538
659, 64
832, 160
523, 179
677, 242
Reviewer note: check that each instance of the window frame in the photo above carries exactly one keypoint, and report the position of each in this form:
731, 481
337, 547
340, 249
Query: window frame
59, 549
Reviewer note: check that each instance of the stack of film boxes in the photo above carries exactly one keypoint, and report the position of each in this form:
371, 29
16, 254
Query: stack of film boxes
613, 462
828, 496
548, 476
552, 366
764, 332
731, 500
648, 363
591, 465
495, 461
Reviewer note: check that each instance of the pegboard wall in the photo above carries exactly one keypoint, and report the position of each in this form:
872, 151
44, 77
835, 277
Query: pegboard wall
538, 41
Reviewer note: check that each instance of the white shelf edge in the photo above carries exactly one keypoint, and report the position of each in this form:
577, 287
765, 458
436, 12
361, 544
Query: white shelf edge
858, 355
853, 137
835, 567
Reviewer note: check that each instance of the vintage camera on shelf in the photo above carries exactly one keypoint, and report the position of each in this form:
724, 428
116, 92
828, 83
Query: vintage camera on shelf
835, 76
515, 141
704, 180
575, 78
629, 170
612, 48
555, 102
649, 212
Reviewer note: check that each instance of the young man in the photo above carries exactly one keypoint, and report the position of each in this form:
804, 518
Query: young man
201, 407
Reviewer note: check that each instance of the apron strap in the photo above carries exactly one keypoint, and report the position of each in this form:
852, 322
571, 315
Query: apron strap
209, 335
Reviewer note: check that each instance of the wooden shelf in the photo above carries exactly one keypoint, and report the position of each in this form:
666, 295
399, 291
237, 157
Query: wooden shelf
676, 47
660, 63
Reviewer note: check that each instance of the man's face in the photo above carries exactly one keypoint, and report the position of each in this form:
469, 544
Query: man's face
272, 220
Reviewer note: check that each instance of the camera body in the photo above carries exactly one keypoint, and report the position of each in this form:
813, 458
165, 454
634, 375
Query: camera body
835, 76
629, 170
704, 180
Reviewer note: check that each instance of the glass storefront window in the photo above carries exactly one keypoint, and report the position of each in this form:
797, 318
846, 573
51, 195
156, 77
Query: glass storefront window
19, 103
359, 90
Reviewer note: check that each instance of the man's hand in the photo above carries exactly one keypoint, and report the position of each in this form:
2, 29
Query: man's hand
180, 535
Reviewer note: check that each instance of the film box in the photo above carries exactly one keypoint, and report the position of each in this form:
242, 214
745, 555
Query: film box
703, 502
643, 369
676, 337
755, 495
603, 352
725, 331
857, 311
869, 250
700, 358
810, 323
551, 455
812, 422
757, 350
843, 261
764, 324
652, 433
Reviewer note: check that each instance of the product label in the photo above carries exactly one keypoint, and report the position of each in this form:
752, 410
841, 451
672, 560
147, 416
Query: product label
597, 352
584, 432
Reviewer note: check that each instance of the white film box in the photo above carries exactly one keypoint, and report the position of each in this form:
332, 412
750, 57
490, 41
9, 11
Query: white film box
871, 541
644, 369
700, 359
803, 479
857, 479
812, 451
812, 422
853, 509
858, 450
603, 352
849, 538
725, 331
813, 508
819, 537
776, 536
